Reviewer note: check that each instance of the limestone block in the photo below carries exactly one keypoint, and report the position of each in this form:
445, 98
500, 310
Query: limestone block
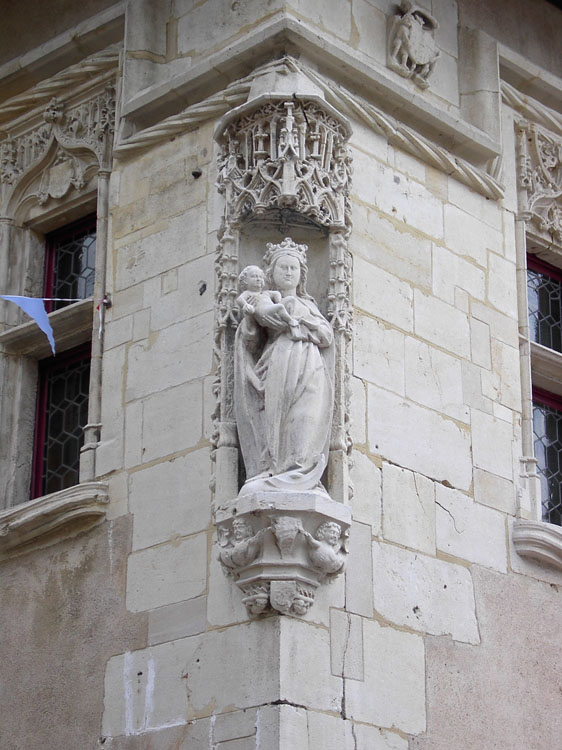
472, 388
501, 327
141, 325
235, 725
503, 384
193, 295
378, 354
502, 287
509, 245
494, 491
144, 689
434, 379
393, 693
480, 343
373, 738
172, 421
133, 433
282, 726
446, 12
451, 271
467, 235
390, 245
346, 644
117, 332
358, 573
109, 453
328, 732
180, 353
366, 500
423, 593
464, 197
176, 243
408, 508
166, 574
393, 301
492, 444
401, 198
444, 79
118, 495
409, 165
304, 651
441, 324
358, 411
333, 17
170, 499
471, 531
177, 621
127, 301
418, 439
371, 30
213, 687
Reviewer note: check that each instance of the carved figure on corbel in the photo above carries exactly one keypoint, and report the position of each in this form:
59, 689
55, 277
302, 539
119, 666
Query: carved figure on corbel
540, 178
242, 546
412, 52
328, 549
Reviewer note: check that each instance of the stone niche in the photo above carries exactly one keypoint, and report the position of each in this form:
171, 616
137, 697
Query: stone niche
283, 325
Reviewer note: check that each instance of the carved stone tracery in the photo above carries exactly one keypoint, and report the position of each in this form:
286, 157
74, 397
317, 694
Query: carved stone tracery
540, 178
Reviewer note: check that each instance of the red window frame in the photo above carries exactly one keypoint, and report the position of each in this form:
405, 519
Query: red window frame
541, 266
46, 368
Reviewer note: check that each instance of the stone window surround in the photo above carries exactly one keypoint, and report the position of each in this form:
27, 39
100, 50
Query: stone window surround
28, 523
540, 367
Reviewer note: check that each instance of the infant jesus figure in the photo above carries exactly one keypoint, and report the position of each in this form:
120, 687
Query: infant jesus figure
254, 300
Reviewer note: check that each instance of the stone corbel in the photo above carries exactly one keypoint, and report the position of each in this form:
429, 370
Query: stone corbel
279, 547
539, 541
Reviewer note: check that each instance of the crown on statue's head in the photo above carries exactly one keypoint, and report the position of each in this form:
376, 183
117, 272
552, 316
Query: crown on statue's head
287, 247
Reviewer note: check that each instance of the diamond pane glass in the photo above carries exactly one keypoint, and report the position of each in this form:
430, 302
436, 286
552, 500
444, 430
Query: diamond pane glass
66, 416
545, 309
547, 429
74, 266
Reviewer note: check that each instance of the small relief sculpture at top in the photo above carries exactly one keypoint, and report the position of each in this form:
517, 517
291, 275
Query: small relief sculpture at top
327, 549
283, 375
412, 51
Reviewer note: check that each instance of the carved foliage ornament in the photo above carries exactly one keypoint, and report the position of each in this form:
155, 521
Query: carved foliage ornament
412, 52
540, 177
88, 126
286, 154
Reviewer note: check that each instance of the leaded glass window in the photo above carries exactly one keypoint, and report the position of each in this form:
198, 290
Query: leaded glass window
547, 433
544, 291
62, 413
70, 262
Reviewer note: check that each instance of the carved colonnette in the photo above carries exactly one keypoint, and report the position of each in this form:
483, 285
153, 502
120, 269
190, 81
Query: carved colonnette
284, 167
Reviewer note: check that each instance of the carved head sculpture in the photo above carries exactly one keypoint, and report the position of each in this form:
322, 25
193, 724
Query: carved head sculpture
252, 278
241, 529
329, 532
286, 250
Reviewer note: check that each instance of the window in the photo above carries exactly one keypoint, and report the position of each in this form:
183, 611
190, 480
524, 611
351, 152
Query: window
544, 294
63, 380
62, 413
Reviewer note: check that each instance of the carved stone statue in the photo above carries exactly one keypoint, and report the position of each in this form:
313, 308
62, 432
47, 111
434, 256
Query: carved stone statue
284, 376
412, 51
327, 549
243, 548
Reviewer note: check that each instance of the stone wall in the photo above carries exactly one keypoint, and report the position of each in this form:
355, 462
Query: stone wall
439, 634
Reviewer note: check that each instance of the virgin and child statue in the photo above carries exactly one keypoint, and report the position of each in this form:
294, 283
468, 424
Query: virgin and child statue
284, 375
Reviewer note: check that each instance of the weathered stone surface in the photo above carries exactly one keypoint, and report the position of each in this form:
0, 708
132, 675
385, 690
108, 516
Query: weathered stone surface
441, 324
379, 354
494, 491
358, 572
393, 693
170, 499
176, 621
514, 610
418, 439
366, 500
392, 303
64, 606
346, 645
408, 509
491, 444
470, 531
167, 573
466, 235
423, 593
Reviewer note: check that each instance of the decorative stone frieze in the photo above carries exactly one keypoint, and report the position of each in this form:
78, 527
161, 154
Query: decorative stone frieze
282, 364
60, 152
412, 52
540, 178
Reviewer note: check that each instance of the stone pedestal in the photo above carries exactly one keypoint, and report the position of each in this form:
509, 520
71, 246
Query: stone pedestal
280, 546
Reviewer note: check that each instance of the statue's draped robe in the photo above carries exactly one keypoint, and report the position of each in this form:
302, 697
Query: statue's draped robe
284, 396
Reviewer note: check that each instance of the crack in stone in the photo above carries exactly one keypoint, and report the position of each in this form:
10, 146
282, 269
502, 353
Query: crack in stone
452, 517
345, 648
